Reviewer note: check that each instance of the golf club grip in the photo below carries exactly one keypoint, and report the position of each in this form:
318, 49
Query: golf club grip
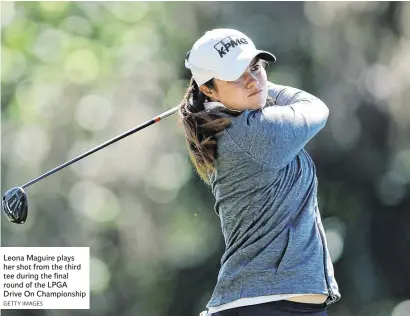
107, 143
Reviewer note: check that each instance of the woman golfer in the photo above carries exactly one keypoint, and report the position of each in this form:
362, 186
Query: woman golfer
246, 138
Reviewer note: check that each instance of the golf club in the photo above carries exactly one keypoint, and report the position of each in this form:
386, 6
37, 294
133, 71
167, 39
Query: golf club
14, 201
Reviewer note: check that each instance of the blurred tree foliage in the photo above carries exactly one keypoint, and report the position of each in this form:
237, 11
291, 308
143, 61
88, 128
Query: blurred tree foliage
75, 74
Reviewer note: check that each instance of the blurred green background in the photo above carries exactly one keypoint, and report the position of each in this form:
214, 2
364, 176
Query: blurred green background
74, 74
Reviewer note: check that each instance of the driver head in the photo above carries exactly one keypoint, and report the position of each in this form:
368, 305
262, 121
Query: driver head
15, 206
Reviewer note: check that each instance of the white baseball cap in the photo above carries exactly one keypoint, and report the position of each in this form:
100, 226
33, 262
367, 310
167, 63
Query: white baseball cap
223, 54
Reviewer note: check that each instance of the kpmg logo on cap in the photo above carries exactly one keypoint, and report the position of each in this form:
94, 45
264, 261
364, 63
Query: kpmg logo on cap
222, 47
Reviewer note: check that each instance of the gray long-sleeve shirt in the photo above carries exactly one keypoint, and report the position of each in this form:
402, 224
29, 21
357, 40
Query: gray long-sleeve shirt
265, 188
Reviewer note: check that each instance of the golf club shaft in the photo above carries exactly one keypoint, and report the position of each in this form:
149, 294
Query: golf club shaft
107, 143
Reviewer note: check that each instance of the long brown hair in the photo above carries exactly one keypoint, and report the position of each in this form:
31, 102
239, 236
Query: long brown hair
201, 126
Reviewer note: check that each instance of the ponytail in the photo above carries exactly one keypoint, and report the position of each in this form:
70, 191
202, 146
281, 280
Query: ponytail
200, 127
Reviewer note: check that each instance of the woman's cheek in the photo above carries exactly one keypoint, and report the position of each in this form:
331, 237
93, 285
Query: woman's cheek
263, 76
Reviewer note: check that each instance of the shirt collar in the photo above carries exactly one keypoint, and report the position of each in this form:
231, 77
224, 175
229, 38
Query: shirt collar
213, 105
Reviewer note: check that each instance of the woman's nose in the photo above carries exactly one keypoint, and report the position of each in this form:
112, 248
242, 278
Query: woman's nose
251, 80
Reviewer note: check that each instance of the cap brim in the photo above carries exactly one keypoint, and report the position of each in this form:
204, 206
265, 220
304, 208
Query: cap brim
266, 56
242, 62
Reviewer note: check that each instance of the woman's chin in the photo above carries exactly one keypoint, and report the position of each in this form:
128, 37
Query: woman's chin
260, 104
255, 107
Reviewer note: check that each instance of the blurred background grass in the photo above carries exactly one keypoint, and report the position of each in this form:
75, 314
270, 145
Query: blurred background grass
74, 74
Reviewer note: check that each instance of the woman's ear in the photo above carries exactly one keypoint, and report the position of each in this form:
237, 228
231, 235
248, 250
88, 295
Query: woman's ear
210, 93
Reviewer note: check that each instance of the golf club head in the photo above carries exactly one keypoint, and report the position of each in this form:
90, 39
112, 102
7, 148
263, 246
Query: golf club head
15, 205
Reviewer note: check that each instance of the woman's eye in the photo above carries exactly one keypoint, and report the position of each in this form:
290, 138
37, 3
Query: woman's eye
255, 68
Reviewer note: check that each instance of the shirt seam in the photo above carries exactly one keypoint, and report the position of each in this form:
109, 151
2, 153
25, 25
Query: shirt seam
248, 154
